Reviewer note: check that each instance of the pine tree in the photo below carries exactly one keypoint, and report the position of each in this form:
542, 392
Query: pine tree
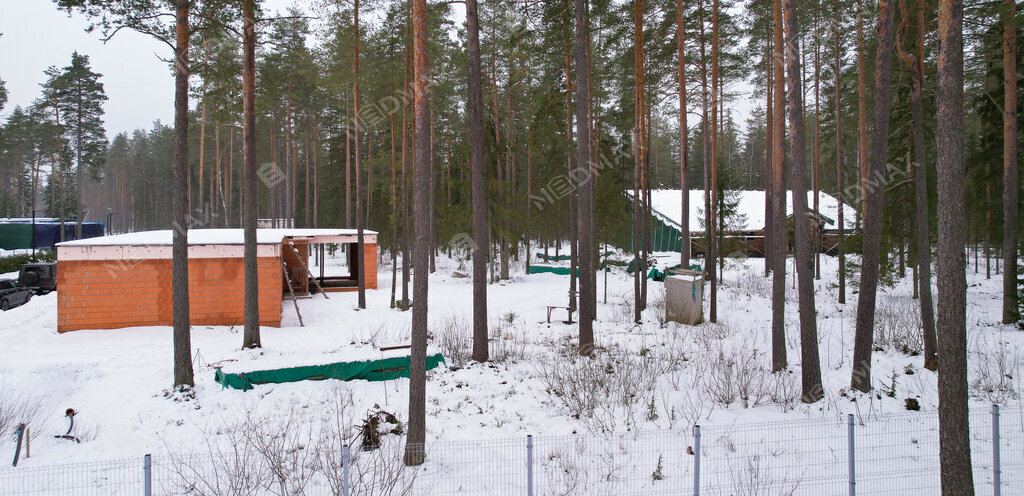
916, 64
861, 379
145, 16
479, 186
951, 323
251, 334
416, 441
810, 364
1011, 306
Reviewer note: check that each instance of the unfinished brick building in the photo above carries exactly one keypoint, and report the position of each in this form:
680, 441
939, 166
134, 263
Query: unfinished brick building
125, 280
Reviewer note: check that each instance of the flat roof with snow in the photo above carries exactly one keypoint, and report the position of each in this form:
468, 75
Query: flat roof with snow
198, 237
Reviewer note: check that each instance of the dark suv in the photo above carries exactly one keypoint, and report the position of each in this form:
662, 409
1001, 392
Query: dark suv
41, 277
12, 294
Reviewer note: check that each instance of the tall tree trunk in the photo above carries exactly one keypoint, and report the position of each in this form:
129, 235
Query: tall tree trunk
839, 165
816, 172
415, 443
924, 272
780, 241
406, 176
1011, 308
864, 334
79, 184
479, 184
954, 435
810, 365
684, 169
348, 167
706, 143
713, 241
862, 114
586, 236
251, 335
574, 261
394, 206
202, 142
639, 156
769, 168
360, 237
179, 278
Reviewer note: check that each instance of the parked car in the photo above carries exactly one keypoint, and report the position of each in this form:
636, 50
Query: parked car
41, 277
13, 294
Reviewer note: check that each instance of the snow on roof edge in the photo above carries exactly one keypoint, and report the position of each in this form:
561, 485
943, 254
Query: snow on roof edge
198, 237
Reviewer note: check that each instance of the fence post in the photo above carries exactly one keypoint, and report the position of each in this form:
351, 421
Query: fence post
147, 470
996, 477
851, 455
529, 464
344, 470
696, 460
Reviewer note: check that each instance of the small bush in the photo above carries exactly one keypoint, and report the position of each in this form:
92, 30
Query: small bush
13, 263
455, 338
736, 375
606, 388
506, 346
19, 408
993, 372
898, 326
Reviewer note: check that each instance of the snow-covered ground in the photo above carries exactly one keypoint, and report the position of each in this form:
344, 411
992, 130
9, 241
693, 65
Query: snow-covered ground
655, 379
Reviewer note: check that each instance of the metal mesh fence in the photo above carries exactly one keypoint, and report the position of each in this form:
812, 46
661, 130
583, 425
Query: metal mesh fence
894, 454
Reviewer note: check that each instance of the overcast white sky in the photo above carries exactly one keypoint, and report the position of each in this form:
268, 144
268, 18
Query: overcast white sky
139, 85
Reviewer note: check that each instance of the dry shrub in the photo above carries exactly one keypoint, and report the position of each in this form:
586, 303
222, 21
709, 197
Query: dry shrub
754, 475
292, 454
17, 407
507, 345
455, 338
784, 389
753, 283
608, 387
993, 371
898, 326
733, 375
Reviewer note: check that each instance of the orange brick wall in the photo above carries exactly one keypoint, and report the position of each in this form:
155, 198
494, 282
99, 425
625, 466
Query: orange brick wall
110, 294
370, 260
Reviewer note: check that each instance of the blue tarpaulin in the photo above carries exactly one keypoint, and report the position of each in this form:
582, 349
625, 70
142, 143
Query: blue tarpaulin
18, 235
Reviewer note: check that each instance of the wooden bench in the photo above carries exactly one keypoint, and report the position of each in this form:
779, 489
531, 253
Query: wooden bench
553, 307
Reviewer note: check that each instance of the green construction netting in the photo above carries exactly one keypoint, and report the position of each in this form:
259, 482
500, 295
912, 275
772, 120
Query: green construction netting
370, 370
658, 275
540, 269
15, 236
663, 237
553, 258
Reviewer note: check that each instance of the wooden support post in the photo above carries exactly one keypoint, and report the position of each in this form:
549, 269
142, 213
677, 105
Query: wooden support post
288, 281
308, 272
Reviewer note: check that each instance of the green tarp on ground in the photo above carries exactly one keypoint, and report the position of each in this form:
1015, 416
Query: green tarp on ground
658, 275
370, 370
540, 269
554, 258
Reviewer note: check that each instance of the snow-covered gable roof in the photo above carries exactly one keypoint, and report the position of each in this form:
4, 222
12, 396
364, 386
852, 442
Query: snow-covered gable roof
749, 214
198, 237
